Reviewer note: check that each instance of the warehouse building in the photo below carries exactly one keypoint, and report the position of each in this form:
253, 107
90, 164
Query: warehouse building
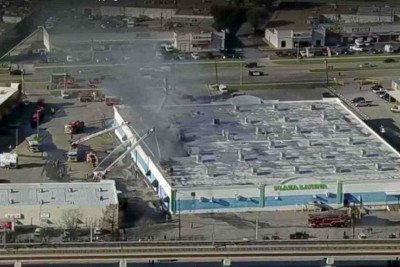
10, 97
250, 154
47, 204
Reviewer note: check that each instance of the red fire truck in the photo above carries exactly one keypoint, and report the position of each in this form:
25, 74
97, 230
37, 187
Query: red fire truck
38, 114
329, 219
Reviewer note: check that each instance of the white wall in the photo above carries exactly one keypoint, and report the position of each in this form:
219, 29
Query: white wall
32, 214
154, 13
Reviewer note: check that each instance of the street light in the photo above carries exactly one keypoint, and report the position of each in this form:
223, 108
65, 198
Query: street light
326, 71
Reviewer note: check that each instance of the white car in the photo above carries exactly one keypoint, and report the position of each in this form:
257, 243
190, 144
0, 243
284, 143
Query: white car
378, 90
169, 48
356, 48
395, 109
195, 55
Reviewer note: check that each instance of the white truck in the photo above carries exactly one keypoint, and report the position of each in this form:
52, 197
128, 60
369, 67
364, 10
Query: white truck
9, 160
388, 48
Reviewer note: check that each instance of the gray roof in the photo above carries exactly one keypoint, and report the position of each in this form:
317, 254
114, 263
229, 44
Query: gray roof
267, 143
59, 194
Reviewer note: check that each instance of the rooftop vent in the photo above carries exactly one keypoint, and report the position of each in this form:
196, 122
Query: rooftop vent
342, 169
41, 190
297, 129
366, 153
236, 108
210, 171
227, 135
12, 201
70, 190
254, 170
246, 120
240, 155
101, 198
215, 121
11, 190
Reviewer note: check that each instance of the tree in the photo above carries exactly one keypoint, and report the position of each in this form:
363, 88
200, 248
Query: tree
256, 16
70, 219
110, 220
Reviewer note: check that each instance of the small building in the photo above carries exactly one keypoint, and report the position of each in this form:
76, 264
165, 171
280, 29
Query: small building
50, 204
396, 84
199, 41
291, 28
10, 98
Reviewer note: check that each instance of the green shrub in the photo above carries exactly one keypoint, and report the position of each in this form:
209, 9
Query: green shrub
389, 60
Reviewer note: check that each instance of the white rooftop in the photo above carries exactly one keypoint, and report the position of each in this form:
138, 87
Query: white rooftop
265, 143
56, 194
7, 92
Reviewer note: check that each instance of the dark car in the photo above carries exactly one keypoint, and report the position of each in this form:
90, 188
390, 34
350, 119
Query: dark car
328, 94
299, 235
358, 99
251, 65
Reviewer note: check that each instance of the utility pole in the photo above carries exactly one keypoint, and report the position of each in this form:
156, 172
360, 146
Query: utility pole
92, 50
257, 228
16, 140
179, 218
216, 73
326, 71
91, 231
37, 124
241, 72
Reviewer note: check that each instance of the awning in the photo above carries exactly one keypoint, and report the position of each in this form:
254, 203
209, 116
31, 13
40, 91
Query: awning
393, 193
120, 134
395, 94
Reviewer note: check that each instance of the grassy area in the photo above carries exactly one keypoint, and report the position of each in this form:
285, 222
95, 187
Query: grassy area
388, 67
223, 64
274, 86
338, 59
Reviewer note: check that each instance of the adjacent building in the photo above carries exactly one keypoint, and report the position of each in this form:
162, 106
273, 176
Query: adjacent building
10, 98
199, 40
52, 204
317, 26
251, 154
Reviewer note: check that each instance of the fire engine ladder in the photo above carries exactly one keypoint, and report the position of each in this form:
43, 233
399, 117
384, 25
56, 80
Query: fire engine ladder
88, 137
101, 174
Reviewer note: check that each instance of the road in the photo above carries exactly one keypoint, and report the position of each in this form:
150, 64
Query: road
190, 251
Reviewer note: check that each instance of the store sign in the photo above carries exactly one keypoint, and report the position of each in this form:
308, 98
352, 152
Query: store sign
300, 187
6, 226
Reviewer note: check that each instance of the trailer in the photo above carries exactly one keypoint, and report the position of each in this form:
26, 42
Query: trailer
9, 160
112, 100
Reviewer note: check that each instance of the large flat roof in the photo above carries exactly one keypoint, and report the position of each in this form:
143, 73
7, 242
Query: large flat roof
59, 194
7, 92
266, 143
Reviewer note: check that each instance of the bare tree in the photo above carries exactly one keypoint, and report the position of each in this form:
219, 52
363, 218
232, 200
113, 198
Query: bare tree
110, 218
70, 219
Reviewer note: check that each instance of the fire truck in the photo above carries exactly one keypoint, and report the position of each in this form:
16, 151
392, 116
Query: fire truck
38, 114
329, 219
74, 127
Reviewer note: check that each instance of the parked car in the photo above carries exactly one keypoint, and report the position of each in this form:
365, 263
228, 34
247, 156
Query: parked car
395, 109
327, 94
362, 236
356, 48
377, 90
358, 99
195, 55
367, 65
235, 94
251, 65
362, 104
181, 57
255, 73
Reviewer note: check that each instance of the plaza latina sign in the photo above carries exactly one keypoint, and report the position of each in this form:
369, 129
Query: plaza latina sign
293, 187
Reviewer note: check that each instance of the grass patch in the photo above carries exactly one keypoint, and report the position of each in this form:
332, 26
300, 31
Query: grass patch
338, 59
275, 86
358, 69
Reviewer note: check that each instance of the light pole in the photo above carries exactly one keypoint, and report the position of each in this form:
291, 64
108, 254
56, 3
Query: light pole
216, 73
179, 219
37, 123
241, 72
16, 140
326, 71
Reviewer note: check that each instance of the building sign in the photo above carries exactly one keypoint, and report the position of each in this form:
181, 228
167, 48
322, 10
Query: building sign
6, 226
360, 30
300, 187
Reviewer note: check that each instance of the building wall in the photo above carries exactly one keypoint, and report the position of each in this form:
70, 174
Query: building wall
144, 163
50, 215
11, 19
11, 103
277, 37
199, 42
154, 13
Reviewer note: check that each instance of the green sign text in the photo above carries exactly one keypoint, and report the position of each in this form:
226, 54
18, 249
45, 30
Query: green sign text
300, 187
